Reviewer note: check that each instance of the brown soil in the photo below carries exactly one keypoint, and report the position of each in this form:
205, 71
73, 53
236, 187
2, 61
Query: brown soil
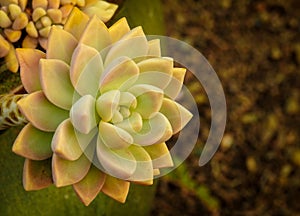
254, 46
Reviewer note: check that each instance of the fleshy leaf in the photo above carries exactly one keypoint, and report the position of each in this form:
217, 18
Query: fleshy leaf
95, 30
76, 23
56, 84
119, 29
36, 174
119, 163
176, 114
128, 100
33, 144
29, 68
86, 69
114, 137
11, 60
175, 85
41, 113
116, 188
134, 44
144, 170
154, 48
83, 115
68, 143
160, 155
149, 99
156, 72
107, 104
155, 130
121, 74
89, 187
61, 44
132, 124
67, 172
104, 10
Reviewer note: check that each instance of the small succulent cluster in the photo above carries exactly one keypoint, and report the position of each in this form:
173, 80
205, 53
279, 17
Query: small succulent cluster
31, 22
101, 106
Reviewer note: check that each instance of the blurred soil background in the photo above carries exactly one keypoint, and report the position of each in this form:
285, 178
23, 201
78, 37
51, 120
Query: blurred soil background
254, 46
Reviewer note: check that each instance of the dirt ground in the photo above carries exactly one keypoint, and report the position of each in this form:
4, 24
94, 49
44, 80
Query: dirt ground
254, 46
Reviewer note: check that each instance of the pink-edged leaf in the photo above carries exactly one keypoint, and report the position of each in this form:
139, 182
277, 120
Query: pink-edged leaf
118, 162
90, 186
133, 45
36, 174
96, 34
175, 85
33, 144
86, 69
76, 23
41, 113
56, 84
144, 169
177, 115
160, 155
120, 74
83, 114
116, 188
119, 29
154, 48
61, 44
29, 68
65, 142
67, 172
114, 137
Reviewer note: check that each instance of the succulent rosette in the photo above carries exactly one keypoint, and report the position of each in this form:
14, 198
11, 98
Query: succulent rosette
31, 23
101, 106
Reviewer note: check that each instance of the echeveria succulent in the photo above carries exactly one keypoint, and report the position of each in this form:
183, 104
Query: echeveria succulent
101, 106
34, 22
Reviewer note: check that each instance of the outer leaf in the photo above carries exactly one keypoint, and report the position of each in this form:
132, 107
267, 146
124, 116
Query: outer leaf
33, 144
116, 188
29, 68
69, 172
176, 114
41, 113
56, 84
96, 34
86, 69
76, 23
156, 72
118, 163
134, 44
121, 74
119, 29
61, 44
36, 174
89, 187
160, 155
175, 85
104, 10
144, 170
65, 142
154, 48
